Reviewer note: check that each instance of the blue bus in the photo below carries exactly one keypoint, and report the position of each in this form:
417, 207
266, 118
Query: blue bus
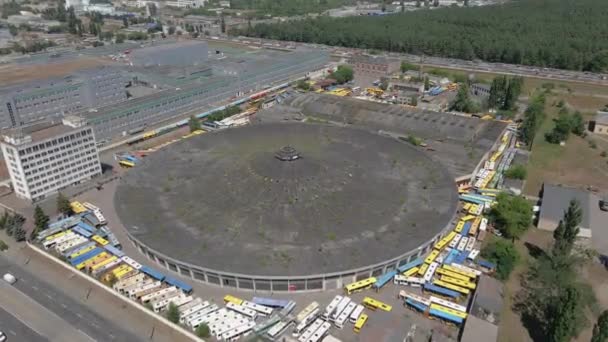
152, 273
416, 305
82, 232
411, 264
187, 289
273, 303
114, 251
88, 255
428, 287
446, 316
86, 227
384, 279
78, 248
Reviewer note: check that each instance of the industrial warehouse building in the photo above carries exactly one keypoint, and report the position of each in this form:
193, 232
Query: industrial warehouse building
21, 104
47, 157
600, 124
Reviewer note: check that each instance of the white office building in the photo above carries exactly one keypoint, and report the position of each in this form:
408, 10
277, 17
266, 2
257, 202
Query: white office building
45, 158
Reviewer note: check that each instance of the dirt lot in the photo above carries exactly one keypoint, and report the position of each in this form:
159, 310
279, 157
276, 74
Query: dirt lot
21, 73
511, 327
576, 163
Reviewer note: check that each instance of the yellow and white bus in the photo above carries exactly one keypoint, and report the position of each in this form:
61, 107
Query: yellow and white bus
453, 287
458, 282
77, 207
360, 323
101, 241
459, 270
411, 272
443, 271
232, 299
360, 285
459, 226
431, 257
445, 241
422, 269
373, 304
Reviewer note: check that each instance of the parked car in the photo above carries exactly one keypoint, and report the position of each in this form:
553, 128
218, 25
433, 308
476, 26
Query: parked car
9, 278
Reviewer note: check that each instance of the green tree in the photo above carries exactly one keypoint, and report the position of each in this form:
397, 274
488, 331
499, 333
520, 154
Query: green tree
171, 30
577, 124
533, 118
427, 83
222, 24
568, 228
13, 30
194, 124
202, 331
516, 172
414, 100
343, 74
125, 22
41, 222
173, 313
302, 84
600, 329
462, 102
562, 326
4, 220
511, 215
63, 205
562, 128
120, 38
405, 66
504, 254
72, 21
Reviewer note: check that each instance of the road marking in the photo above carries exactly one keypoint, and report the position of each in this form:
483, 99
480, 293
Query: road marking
34, 288
12, 332
79, 315
85, 334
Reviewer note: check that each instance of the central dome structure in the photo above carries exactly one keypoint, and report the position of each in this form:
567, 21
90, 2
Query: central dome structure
285, 200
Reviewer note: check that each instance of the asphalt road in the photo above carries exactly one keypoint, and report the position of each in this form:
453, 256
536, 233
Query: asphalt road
75, 313
15, 330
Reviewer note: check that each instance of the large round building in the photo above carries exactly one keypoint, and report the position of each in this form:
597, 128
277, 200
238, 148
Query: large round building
286, 206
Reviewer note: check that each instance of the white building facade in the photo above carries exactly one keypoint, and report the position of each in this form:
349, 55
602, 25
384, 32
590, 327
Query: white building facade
45, 159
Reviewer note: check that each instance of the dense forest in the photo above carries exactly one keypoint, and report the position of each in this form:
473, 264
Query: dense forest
566, 34
288, 7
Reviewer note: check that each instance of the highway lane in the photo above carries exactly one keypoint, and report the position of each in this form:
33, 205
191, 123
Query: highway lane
75, 313
15, 330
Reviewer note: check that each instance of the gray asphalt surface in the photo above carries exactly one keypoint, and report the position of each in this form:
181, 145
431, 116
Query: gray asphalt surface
15, 330
73, 312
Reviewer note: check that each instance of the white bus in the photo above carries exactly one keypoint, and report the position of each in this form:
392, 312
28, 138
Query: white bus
237, 333
468, 269
332, 307
198, 314
242, 310
441, 257
99, 216
182, 300
408, 281
147, 284
341, 306
126, 282
354, 316
448, 304
261, 309
474, 253
417, 298
311, 330
305, 322
307, 310
428, 276
190, 305
106, 267
330, 338
158, 294
345, 314
219, 328
322, 331
463, 243
278, 329
455, 241
89, 206
64, 246
131, 262
162, 304
205, 316
484, 224
59, 239
470, 244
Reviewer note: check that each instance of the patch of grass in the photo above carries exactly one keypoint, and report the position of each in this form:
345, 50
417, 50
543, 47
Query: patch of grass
331, 236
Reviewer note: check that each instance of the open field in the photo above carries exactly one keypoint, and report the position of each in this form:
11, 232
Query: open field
15, 73
576, 163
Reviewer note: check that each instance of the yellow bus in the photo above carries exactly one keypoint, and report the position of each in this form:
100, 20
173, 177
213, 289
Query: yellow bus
126, 163
81, 252
360, 322
121, 274
103, 263
444, 242
149, 134
442, 271
232, 299
360, 285
467, 206
422, 269
459, 226
459, 271
431, 257
373, 304
450, 311
99, 240
92, 260
411, 272
458, 282
77, 207
55, 236
474, 226
468, 217
449, 286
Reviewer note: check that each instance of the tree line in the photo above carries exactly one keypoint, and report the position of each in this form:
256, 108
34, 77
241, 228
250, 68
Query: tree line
566, 34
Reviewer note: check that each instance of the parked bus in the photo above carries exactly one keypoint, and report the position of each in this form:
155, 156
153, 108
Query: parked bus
238, 332
101, 264
408, 281
312, 316
306, 311
450, 286
441, 291
360, 323
101, 241
455, 241
345, 314
261, 309
232, 299
459, 226
445, 241
273, 303
310, 330
458, 282
373, 304
448, 304
126, 282
431, 257
132, 263
101, 256
473, 255
278, 329
422, 269
341, 306
415, 263
465, 271
126, 163
318, 335
447, 314
443, 271
185, 288
287, 309
359, 285
416, 305
411, 272
85, 256
77, 207
333, 305
384, 279
242, 310
356, 313
428, 276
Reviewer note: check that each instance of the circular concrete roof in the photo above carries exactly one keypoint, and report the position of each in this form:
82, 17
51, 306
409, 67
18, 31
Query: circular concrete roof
226, 201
